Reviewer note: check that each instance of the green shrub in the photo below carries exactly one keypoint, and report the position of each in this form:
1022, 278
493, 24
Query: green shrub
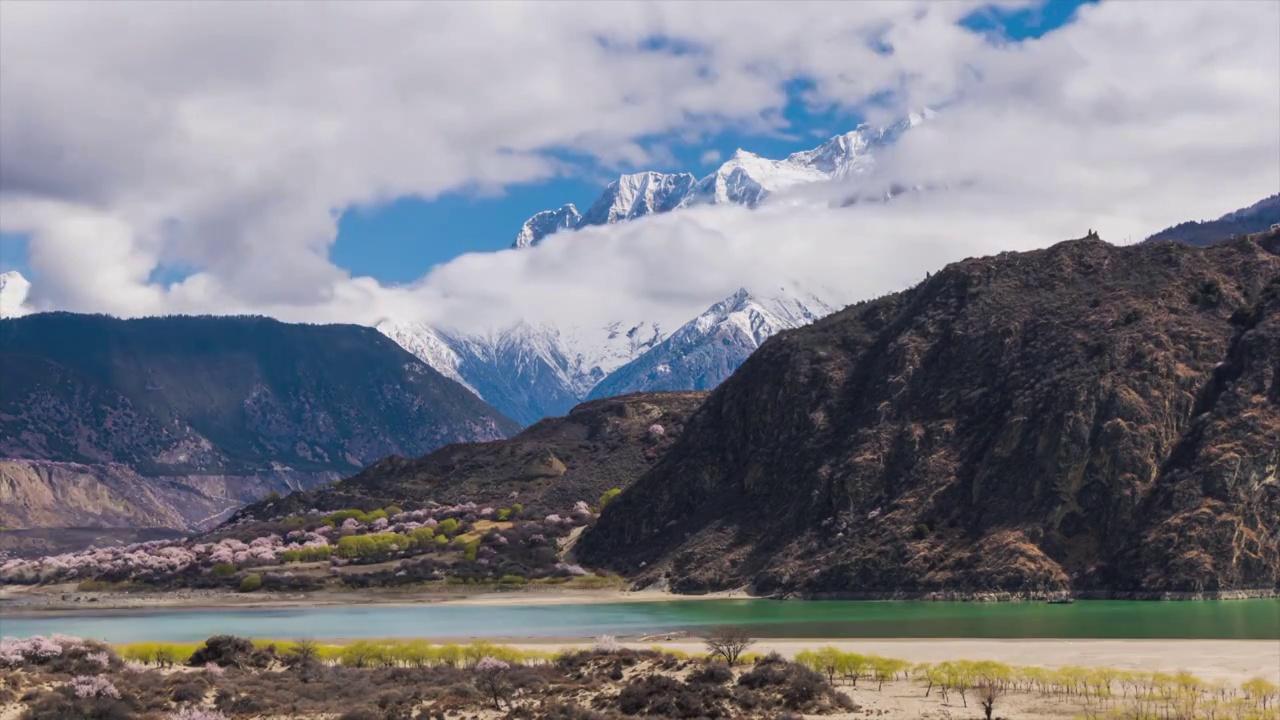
513, 580
504, 514
471, 549
441, 540
223, 570
421, 536
393, 510
448, 526
251, 582
353, 546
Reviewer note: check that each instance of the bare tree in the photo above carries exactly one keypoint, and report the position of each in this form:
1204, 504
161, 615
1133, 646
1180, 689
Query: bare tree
303, 654
729, 643
988, 693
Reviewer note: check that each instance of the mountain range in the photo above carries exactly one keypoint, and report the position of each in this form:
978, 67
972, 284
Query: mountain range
745, 179
529, 371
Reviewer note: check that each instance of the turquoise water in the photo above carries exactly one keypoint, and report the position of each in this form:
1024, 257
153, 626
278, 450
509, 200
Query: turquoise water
1235, 619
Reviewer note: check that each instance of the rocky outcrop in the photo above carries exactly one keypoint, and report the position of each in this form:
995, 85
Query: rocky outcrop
1085, 417
598, 446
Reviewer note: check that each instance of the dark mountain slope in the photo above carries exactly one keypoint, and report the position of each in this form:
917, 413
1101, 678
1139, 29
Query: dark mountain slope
176, 421
1015, 423
599, 445
1256, 218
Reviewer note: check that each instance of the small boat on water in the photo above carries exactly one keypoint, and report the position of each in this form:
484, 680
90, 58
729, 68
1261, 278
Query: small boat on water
1061, 600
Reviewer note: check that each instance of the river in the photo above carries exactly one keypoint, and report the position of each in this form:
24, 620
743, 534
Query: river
1220, 620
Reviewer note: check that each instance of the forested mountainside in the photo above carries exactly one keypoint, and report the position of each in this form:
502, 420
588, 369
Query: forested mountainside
598, 446
1084, 417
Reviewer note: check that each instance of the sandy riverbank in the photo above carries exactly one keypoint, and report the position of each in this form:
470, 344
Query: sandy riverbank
18, 601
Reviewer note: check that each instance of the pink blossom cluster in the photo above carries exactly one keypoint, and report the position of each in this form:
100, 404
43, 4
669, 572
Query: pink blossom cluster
438, 513
93, 686
37, 649
156, 557
489, 664
192, 713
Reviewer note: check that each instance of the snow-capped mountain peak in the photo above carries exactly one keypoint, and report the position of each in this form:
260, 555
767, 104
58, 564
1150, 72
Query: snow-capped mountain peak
637, 195
546, 223
707, 349
13, 294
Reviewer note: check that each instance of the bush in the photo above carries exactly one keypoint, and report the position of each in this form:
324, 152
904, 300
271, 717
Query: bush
251, 583
714, 673
222, 570
229, 651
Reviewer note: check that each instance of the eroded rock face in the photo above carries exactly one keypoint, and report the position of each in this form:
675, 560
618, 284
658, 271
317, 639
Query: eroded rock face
1022, 423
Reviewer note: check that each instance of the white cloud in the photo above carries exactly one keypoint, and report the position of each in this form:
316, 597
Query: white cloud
710, 157
225, 137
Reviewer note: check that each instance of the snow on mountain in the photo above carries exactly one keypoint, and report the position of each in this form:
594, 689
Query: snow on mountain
707, 349
430, 346
13, 294
527, 371
546, 223
633, 196
745, 179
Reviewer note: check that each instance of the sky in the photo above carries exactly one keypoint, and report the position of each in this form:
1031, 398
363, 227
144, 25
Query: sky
362, 161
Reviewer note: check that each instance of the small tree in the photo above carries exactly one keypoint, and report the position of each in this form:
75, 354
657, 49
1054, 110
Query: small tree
303, 654
988, 693
729, 643
250, 583
491, 679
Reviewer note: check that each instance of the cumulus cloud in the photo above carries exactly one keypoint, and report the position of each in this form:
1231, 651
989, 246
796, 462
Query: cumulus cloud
227, 137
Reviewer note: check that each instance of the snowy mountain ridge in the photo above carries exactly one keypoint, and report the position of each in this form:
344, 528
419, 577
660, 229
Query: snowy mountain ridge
744, 179
707, 349
531, 371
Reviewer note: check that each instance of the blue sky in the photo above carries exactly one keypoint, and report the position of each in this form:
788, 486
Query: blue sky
398, 242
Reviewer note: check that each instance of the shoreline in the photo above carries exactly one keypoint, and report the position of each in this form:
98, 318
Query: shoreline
124, 604
65, 599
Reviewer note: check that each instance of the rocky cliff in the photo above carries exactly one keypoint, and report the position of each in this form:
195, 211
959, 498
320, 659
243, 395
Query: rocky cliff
598, 446
1084, 417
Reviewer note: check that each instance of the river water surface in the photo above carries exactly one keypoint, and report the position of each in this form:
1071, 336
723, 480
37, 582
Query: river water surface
1222, 620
